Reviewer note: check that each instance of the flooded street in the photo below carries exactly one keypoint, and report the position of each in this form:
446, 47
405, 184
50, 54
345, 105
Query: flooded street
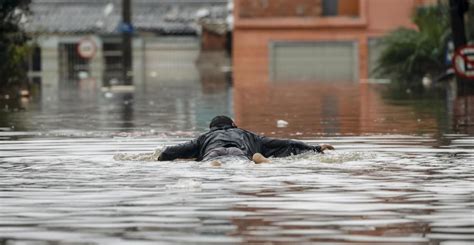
79, 170
92, 91
393, 189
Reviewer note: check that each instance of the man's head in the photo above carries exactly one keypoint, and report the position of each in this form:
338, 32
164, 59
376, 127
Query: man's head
222, 121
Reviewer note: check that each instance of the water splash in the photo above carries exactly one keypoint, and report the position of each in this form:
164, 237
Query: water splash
330, 157
145, 157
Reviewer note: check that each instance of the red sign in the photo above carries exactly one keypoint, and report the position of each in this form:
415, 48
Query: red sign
86, 48
463, 61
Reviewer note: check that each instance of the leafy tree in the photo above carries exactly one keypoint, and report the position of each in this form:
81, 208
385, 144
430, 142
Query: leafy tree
13, 50
408, 55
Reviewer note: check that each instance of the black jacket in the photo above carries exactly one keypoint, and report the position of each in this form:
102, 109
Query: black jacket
246, 141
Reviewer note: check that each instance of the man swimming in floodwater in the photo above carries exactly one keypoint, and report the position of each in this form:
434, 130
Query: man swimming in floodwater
225, 139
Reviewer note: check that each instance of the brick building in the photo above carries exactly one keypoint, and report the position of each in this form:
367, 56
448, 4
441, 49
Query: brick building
312, 40
290, 58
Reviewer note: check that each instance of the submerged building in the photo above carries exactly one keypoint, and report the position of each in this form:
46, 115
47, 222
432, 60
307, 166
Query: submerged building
313, 40
302, 61
166, 37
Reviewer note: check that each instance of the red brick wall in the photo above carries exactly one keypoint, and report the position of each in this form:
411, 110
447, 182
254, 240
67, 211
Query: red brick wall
255, 94
348, 8
280, 8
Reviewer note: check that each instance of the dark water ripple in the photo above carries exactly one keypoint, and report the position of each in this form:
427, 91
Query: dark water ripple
388, 189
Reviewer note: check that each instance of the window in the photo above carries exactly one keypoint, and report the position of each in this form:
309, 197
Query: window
348, 8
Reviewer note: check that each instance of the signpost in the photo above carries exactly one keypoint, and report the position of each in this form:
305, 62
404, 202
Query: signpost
86, 48
463, 62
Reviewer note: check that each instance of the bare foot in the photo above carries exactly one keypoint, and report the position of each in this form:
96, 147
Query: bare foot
216, 163
326, 147
258, 158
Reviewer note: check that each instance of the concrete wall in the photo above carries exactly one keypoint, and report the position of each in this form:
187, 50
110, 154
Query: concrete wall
51, 62
171, 59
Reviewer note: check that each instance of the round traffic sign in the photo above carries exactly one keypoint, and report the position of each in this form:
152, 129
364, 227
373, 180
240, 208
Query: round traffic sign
463, 61
86, 48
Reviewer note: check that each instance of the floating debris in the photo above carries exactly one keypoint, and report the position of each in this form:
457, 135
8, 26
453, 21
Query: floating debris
282, 123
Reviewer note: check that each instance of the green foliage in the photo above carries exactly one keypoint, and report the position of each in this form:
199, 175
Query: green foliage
13, 51
409, 55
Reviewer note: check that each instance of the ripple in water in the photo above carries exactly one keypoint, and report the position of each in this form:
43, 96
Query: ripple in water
396, 190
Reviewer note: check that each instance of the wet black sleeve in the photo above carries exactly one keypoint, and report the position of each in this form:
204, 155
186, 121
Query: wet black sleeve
282, 148
185, 150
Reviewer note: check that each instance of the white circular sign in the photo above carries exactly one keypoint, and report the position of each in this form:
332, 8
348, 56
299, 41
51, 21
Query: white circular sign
86, 48
463, 61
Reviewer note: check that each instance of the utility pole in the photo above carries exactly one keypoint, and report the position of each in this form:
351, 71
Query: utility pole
465, 90
127, 31
457, 8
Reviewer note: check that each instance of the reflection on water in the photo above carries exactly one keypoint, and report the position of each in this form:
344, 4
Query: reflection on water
313, 109
156, 108
76, 168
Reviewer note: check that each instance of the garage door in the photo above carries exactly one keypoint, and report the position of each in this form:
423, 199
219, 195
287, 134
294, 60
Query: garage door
313, 61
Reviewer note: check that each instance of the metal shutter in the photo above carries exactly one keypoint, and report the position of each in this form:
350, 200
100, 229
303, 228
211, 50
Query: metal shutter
313, 61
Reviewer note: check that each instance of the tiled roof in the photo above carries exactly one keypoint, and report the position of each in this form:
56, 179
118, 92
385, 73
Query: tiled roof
104, 16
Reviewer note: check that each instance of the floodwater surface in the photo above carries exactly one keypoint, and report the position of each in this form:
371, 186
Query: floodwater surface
80, 169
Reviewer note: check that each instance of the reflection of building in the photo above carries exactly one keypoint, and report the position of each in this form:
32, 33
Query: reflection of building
166, 45
166, 38
312, 40
315, 109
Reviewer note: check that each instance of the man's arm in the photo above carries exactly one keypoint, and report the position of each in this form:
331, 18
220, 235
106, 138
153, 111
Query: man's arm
282, 148
185, 150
